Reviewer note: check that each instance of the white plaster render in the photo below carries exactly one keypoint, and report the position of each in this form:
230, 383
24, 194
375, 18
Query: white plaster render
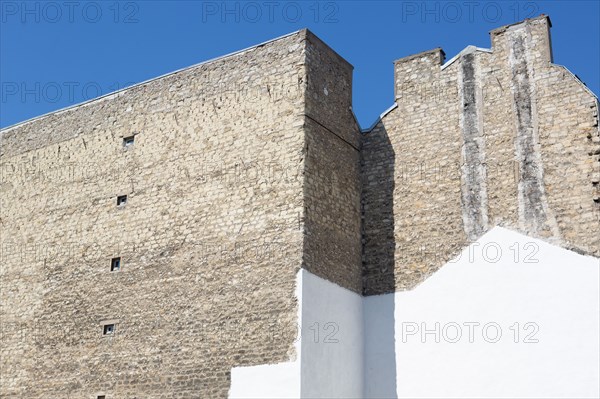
330, 345
502, 279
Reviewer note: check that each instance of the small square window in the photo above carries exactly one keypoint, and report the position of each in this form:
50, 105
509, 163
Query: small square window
128, 141
121, 200
115, 264
108, 329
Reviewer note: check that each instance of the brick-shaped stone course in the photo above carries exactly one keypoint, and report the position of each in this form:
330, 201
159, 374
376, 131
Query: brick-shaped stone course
247, 168
210, 238
492, 137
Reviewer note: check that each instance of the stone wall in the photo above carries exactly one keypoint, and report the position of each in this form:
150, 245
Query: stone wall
210, 238
492, 137
332, 245
244, 170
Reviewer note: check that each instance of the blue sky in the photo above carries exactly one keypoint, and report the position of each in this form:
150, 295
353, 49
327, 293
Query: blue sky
57, 53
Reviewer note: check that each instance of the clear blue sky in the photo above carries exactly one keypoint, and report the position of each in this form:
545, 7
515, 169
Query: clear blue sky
58, 53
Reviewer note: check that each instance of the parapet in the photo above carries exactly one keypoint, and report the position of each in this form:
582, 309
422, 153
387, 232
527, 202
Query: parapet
537, 31
423, 66
533, 33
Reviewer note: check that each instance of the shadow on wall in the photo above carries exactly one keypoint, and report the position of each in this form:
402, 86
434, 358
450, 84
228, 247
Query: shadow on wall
377, 174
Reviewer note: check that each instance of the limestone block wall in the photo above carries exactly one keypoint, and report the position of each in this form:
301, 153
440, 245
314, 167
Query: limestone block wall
210, 238
491, 137
248, 168
332, 245
406, 203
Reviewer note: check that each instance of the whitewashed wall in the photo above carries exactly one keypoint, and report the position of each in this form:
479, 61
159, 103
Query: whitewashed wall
512, 316
556, 355
330, 349
332, 340
268, 381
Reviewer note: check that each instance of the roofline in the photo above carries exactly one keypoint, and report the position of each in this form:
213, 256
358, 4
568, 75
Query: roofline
581, 82
380, 118
504, 27
355, 119
420, 54
467, 50
111, 94
314, 35
395, 105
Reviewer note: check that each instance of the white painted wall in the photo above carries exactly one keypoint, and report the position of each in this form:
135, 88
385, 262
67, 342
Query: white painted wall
332, 340
380, 347
490, 283
381, 351
268, 381
330, 349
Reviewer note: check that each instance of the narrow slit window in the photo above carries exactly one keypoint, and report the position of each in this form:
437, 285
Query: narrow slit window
121, 200
115, 264
101, 397
108, 329
128, 141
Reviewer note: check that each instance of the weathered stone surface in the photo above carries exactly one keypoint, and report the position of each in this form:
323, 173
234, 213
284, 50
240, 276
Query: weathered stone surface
228, 158
246, 169
332, 244
501, 137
